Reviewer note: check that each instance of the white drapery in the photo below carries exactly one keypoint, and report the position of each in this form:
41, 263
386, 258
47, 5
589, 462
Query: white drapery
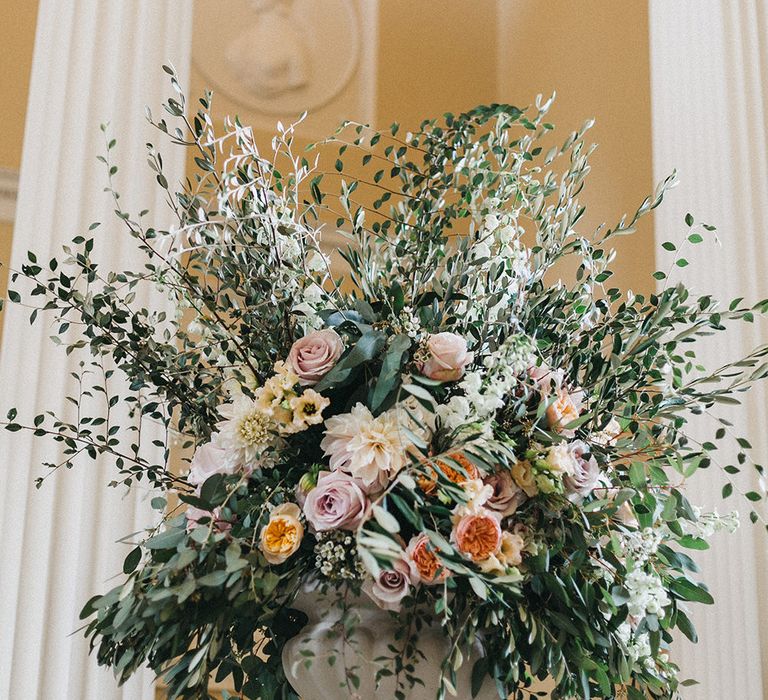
93, 61
709, 94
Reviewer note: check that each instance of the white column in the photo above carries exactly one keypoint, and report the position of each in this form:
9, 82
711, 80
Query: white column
709, 67
94, 61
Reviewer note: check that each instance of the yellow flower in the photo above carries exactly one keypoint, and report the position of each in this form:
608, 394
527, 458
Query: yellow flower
270, 395
282, 535
308, 409
510, 555
271, 399
285, 375
522, 473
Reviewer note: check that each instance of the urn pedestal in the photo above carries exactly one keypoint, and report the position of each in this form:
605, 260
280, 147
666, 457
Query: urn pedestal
373, 635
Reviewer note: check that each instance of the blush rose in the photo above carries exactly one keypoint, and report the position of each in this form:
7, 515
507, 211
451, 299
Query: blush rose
447, 357
209, 459
586, 472
314, 355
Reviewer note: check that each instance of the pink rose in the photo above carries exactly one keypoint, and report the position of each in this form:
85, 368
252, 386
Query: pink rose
209, 459
507, 495
584, 478
389, 588
540, 374
447, 358
315, 354
337, 502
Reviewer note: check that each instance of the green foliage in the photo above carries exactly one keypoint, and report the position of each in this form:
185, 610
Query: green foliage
460, 226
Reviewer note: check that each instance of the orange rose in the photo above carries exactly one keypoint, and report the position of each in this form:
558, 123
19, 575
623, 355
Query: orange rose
282, 535
478, 536
428, 482
428, 566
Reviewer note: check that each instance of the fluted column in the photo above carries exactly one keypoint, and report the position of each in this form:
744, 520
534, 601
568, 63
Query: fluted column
94, 61
709, 67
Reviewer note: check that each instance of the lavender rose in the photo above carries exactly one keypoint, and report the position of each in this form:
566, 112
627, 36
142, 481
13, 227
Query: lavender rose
585, 473
392, 585
337, 502
447, 357
315, 354
507, 495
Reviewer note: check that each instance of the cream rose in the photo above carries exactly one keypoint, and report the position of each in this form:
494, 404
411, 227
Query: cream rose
561, 460
522, 473
447, 357
510, 555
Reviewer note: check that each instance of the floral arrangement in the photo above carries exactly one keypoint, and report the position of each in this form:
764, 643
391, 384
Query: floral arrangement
459, 418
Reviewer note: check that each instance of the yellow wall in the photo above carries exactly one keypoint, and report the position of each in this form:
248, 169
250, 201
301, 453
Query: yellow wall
596, 56
435, 56
17, 33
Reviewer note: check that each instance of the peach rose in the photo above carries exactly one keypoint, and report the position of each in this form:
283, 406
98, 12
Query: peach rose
563, 410
447, 357
282, 535
428, 567
315, 354
478, 536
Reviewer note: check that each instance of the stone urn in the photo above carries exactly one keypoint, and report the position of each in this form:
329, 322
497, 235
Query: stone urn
317, 642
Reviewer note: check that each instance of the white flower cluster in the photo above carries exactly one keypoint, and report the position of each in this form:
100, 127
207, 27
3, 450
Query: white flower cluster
336, 558
484, 390
408, 323
709, 524
646, 594
500, 269
642, 545
313, 298
638, 647
501, 240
